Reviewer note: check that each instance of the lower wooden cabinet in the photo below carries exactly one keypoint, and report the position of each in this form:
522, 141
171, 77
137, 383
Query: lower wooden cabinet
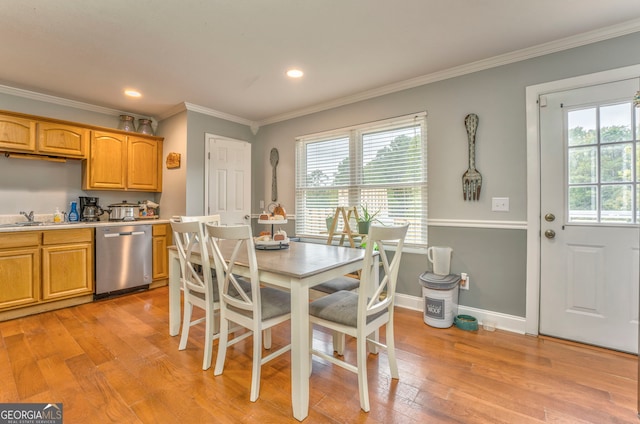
19, 277
162, 238
67, 263
43, 266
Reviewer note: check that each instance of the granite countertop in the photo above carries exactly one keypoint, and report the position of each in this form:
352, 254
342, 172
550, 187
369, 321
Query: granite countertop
8, 224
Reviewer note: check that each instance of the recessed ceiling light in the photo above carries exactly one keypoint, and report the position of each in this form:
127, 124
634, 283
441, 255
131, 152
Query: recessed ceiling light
295, 73
132, 93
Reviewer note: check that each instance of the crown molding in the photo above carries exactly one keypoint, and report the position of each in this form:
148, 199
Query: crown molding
32, 95
590, 37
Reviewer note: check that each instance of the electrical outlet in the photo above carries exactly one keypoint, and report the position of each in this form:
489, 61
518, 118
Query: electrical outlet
464, 281
500, 204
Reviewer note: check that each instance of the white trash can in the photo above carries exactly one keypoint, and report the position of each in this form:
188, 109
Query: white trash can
440, 293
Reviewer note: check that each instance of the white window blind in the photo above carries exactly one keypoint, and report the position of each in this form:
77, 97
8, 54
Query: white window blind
382, 165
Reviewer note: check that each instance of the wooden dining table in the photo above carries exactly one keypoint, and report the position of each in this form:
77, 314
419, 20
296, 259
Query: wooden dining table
296, 269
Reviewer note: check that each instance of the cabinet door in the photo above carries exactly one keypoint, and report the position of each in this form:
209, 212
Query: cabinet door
145, 164
159, 251
62, 140
19, 277
17, 134
107, 164
67, 270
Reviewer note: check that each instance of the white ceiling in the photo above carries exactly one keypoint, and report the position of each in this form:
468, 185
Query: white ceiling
230, 56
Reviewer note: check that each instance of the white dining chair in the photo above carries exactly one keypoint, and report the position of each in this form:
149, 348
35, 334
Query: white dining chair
361, 314
257, 310
198, 286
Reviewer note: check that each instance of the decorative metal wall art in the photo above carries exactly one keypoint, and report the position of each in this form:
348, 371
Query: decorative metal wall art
471, 179
274, 157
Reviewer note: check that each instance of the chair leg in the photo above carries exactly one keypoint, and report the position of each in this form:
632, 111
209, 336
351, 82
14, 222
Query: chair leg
186, 324
391, 351
372, 347
222, 346
338, 342
208, 338
257, 363
363, 387
267, 338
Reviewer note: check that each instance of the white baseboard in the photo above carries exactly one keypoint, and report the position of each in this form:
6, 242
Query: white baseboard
505, 322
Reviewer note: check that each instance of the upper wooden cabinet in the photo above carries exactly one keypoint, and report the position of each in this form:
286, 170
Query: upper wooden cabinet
62, 140
17, 134
144, 171
25, 135
107, 164
123, 162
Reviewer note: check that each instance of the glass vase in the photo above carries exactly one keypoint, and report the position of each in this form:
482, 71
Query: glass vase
126, 123
144, 126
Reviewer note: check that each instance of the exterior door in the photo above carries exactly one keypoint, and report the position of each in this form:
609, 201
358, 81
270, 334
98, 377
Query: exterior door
589, 155
228, 188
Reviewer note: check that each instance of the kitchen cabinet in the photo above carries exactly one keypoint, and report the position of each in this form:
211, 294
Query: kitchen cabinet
144, 164
23, 134
17, 134
39, 267
19, 269
67, 263
106, 167
123, 162
62, 140
161, 239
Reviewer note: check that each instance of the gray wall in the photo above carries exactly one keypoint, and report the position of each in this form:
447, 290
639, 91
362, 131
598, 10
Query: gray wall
198, 125
173, 199
495, 258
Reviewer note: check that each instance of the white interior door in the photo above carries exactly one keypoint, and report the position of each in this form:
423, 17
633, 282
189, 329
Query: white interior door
589, 155
228, 184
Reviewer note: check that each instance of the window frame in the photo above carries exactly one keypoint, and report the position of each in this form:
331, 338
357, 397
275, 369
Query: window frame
356, 187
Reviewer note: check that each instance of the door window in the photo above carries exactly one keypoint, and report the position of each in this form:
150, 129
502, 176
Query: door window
603, 177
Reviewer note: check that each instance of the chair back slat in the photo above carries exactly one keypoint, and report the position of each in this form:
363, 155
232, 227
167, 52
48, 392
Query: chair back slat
190, 240
384, 294
230, 290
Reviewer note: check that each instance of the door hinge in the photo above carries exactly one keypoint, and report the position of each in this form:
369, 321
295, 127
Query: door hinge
542, 101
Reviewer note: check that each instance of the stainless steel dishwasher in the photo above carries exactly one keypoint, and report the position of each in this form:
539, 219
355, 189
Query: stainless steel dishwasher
123, 259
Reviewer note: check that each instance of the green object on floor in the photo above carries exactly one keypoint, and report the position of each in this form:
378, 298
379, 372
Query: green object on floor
466, 322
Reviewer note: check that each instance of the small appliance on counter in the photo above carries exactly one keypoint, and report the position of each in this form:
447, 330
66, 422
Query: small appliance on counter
90, 210
123, 211
149, 210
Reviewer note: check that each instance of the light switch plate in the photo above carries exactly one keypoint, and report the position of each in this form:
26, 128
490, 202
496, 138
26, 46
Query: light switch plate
500, 204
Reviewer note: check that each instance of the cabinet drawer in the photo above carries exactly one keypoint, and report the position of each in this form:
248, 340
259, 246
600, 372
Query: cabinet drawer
20, 239
68, 236
159, 230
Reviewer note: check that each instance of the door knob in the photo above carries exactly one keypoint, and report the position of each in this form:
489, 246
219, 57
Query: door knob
247, 216
550, 234
549, 217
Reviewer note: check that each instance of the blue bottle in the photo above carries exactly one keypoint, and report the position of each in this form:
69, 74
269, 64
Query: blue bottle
73, 213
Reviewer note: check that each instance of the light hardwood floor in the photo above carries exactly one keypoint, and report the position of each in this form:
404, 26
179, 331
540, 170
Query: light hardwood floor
113, 361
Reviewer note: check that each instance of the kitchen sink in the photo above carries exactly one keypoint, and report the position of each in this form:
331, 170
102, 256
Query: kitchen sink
24, 224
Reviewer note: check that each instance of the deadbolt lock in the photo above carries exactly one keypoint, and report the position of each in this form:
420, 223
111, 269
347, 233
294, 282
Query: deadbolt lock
549, 217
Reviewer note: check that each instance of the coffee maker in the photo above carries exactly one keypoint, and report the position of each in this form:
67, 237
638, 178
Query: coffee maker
90, 211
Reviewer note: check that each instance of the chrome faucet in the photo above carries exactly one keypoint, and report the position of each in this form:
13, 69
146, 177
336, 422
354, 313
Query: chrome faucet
29, 215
